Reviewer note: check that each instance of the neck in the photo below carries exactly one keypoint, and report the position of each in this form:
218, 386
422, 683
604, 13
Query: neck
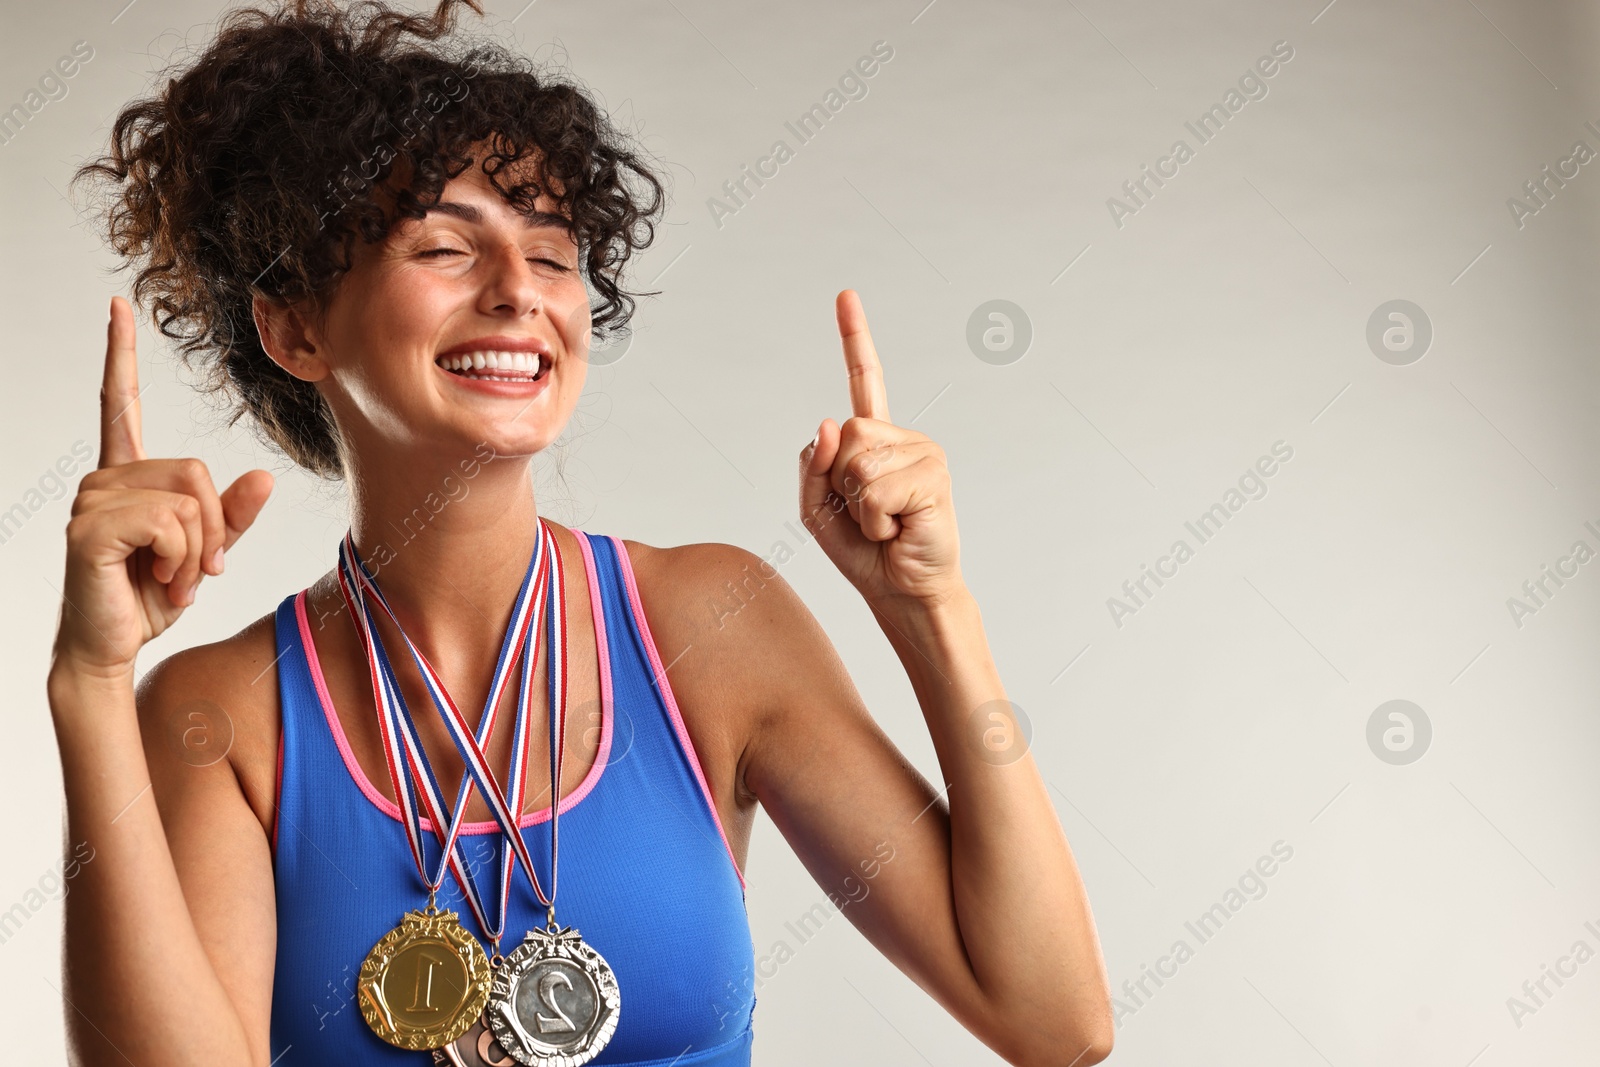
449, 546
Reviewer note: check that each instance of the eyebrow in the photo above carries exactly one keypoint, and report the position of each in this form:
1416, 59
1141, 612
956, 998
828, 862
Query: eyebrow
530, 219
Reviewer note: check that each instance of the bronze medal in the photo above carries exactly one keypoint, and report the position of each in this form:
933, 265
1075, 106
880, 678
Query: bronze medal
478, 1047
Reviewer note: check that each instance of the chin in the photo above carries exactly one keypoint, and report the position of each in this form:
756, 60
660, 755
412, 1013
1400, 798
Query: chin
522, 438
506, 419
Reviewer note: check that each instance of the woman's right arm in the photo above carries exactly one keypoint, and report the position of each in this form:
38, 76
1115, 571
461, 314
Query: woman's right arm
170, 929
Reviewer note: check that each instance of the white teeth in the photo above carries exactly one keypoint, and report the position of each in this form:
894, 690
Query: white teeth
521, 363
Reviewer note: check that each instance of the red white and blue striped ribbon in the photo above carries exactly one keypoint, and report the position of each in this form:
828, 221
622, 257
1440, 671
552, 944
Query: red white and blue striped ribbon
556, 632
403, 747
402, 744
553, 600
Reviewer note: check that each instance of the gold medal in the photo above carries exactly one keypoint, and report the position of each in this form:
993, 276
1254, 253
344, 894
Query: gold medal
425, 982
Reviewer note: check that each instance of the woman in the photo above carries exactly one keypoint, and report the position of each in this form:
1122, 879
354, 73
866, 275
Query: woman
390, 254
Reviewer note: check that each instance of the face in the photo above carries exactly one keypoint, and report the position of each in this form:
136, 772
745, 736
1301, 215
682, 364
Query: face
464, 328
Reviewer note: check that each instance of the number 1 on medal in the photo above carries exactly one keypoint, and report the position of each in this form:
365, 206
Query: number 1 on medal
419, 994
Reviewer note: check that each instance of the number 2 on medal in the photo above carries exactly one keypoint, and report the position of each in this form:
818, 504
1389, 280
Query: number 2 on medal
547, 993
421, 994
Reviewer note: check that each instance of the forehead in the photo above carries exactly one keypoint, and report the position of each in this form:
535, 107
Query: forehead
472, 197
528, 169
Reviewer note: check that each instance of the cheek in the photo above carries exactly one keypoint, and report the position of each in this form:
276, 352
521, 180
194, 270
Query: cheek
567, 304
410, 308
572, 387
391, 327
568, 309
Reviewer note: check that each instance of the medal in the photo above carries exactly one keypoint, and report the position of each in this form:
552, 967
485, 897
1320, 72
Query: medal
425, 983
554, 1000
478, 1047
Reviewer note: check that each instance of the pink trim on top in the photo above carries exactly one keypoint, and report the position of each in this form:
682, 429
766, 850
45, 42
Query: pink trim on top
389, 807
665, 688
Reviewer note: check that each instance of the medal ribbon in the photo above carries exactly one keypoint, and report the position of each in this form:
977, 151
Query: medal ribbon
556, 628
402, 744
554, 595
554, 604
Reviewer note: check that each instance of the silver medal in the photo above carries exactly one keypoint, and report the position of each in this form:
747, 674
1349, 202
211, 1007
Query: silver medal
555, 1001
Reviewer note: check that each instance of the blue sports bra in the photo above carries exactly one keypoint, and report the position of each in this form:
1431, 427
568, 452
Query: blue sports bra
647, 874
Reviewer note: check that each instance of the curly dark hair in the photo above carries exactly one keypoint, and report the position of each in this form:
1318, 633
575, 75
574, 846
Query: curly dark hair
261, 163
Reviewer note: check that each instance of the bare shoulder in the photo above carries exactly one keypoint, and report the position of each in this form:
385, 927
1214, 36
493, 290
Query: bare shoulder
809, 751
721, 595
710, 584
216, 705
724, 620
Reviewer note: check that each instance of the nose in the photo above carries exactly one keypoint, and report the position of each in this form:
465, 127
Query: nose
510, 286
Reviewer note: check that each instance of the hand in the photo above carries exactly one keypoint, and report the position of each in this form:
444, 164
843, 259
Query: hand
876, 496
143, 531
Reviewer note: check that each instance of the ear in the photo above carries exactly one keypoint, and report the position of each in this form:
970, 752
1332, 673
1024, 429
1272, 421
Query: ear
289, 338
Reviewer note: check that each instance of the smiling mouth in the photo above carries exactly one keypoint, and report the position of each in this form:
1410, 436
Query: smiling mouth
496, 366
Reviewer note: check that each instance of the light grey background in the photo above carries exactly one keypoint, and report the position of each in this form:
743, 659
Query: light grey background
1229, 313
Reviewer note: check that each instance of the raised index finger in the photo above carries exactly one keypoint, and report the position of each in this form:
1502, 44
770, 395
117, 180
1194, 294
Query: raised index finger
120, 440
867, 396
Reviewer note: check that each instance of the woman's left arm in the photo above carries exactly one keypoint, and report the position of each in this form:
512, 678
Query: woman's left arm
982, 903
